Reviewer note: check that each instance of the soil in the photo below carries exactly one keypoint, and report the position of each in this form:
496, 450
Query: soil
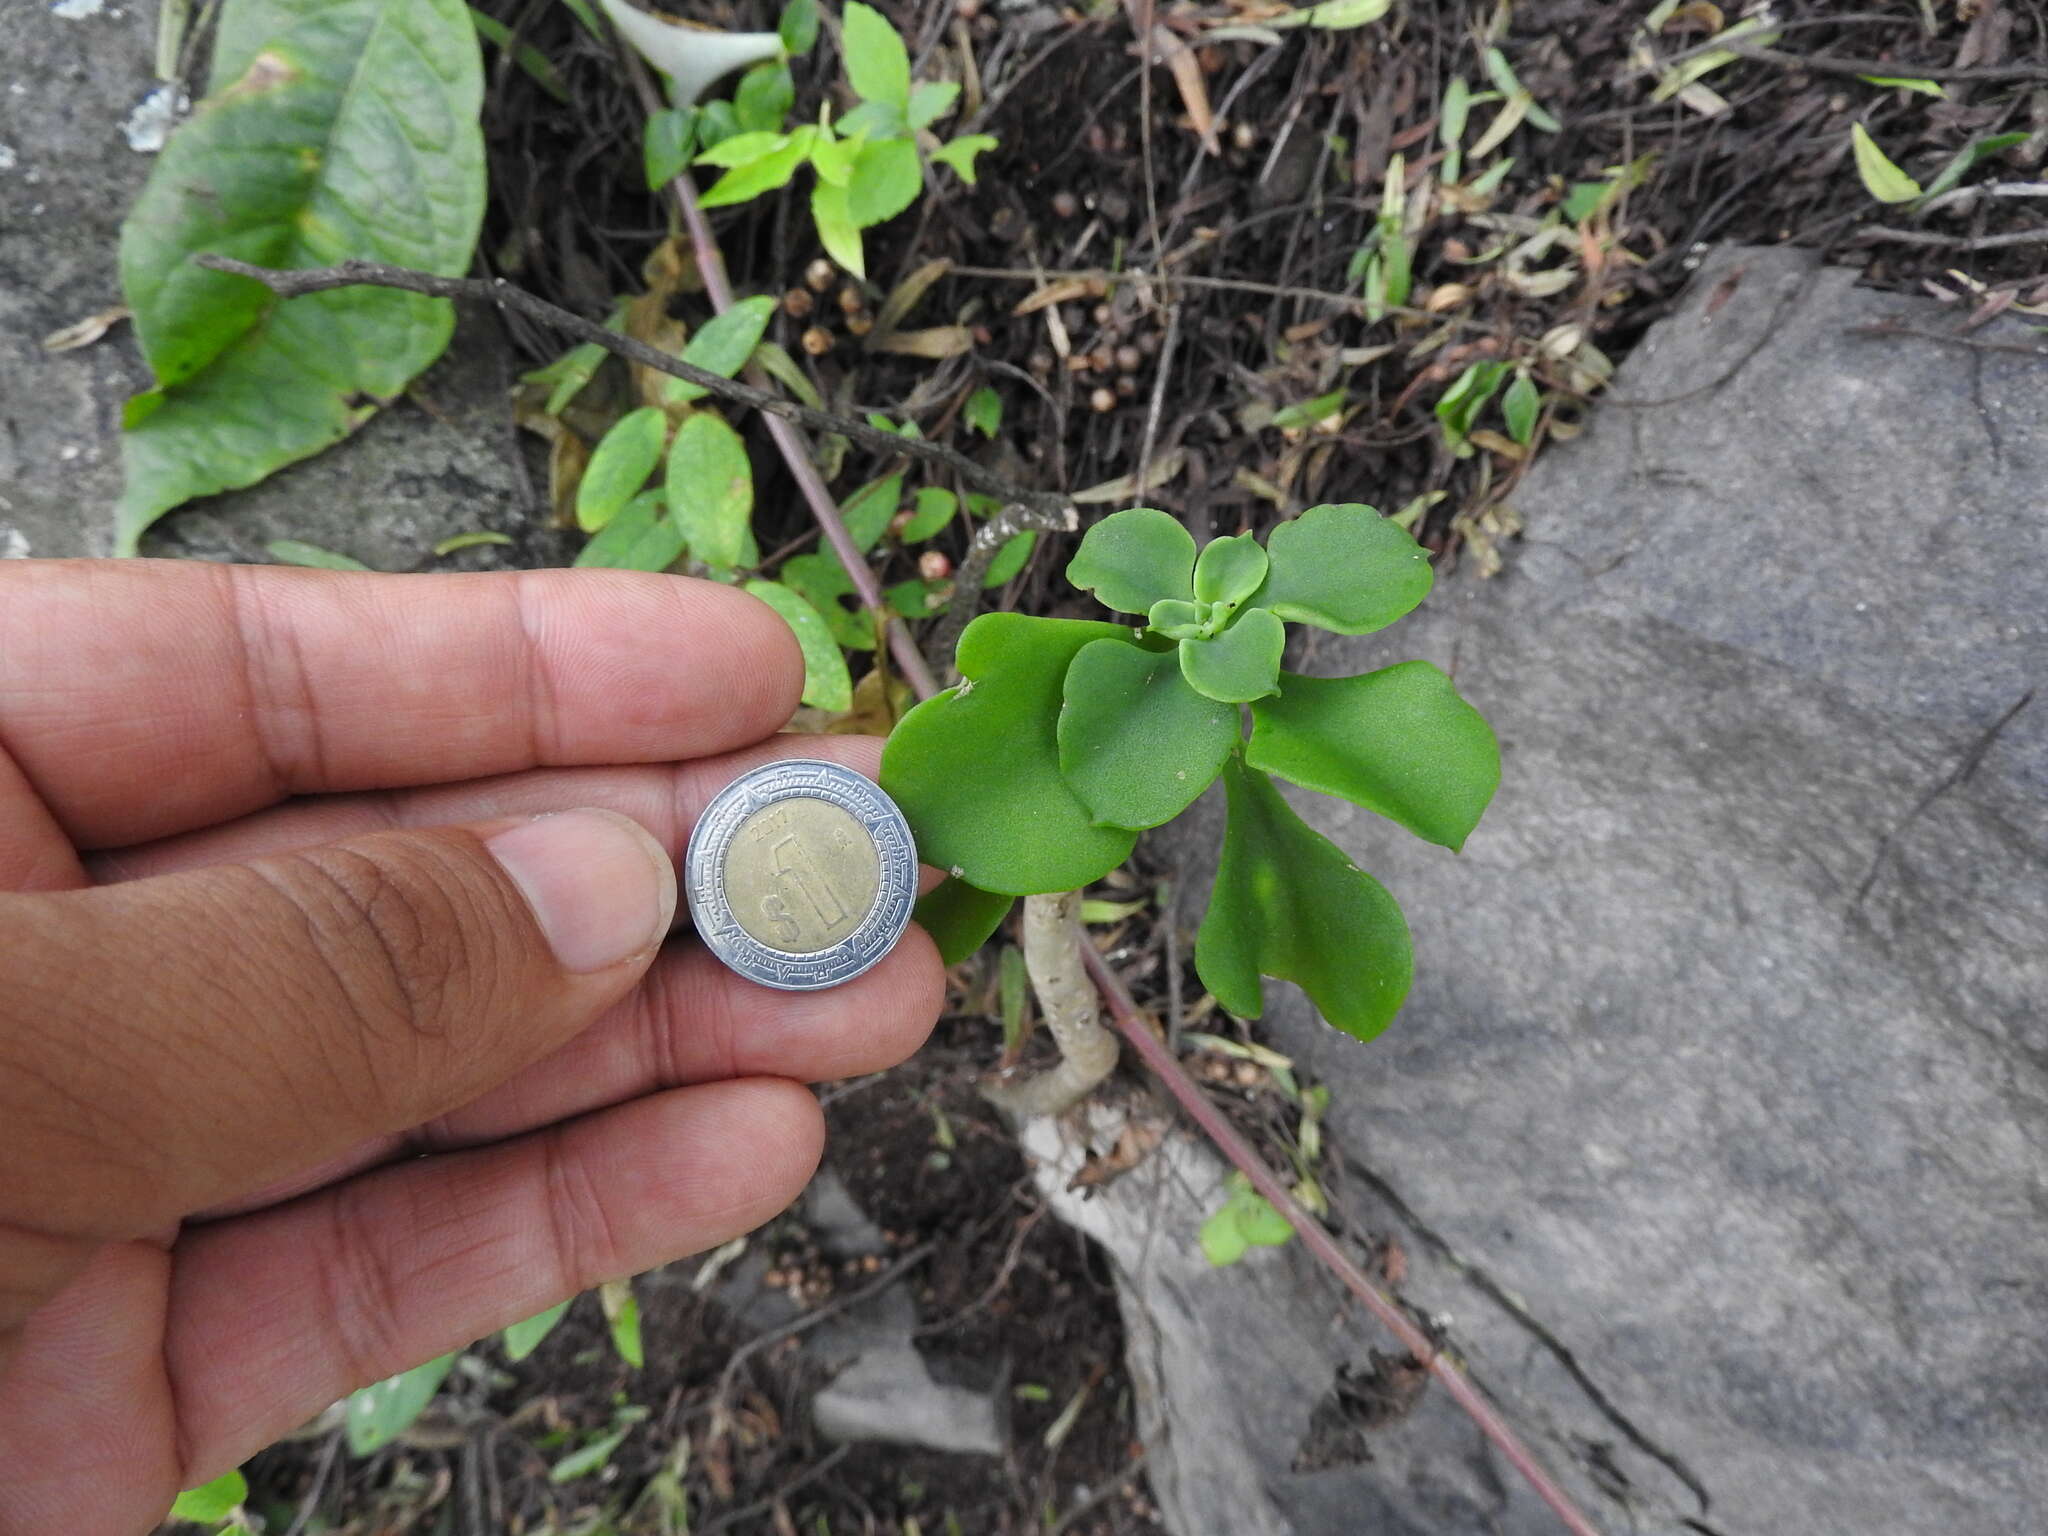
1099, 168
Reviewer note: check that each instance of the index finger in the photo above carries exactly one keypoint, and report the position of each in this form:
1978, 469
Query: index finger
145, 698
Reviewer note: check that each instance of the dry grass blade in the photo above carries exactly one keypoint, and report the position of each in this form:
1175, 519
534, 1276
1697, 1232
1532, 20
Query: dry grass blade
904, 298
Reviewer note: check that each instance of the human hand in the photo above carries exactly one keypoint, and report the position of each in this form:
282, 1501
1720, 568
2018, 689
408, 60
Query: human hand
275, 917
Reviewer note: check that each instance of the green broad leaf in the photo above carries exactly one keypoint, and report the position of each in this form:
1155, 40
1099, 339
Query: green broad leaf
471, 540
984, 411
877, 64
337, 129
1132, 559
294, 552
666, 143
1009, 560
619, 466
1968, 158
958, 154
381, 1412
523, 1338
886, 180
212, 1502
875, 120
916, 599
1222, 1239
1334, 15
827, 684
594, 1457
977, 769
960, 918
1343, 568
935, 508
1399, 742
821, 581
1178, 620
798, 27
837, 231
1288, 903
716, 123
1881, 178
1240, 664
639, 538
763, 97
722, 345
833, 158
930, 100
1228, 571
710, 490
868, 511
622, 1312
1520, 406
1246, 1220
1137, 744
762, 174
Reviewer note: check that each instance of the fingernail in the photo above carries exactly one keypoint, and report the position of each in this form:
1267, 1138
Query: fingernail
600, 885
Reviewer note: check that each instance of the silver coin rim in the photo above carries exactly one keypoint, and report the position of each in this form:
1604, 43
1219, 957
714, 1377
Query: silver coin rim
788, 779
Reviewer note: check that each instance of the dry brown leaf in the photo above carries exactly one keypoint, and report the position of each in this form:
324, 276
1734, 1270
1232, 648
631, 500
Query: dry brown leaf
568, 457
1186, 69
940, 341
83, 333
1163, 469
1494, 442
1055, 293
904, 298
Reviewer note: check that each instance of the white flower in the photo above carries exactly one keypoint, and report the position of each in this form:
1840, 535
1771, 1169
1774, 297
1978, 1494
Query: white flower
690, 56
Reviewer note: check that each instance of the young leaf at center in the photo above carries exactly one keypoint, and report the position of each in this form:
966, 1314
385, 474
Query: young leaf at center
977, 769
1137, 744
1229, 571
1399, 742
1239, 665
1288, 903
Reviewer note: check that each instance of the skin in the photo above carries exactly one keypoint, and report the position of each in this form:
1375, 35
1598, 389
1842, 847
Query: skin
256, 958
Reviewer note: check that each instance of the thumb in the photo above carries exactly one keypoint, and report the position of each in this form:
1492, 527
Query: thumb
171, 1043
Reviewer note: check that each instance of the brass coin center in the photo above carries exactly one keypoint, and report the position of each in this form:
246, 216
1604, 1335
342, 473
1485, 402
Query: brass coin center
801, 874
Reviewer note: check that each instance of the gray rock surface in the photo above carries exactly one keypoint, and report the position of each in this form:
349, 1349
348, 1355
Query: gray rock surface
445, 463
1717, 1123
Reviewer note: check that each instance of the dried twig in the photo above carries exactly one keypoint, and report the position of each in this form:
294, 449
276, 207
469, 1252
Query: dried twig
1890, 236
987, 543
1823, 65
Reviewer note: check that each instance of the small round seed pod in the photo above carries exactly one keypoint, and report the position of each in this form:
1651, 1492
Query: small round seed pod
859, 325
1102, 399
1102, 359
851, 301
933, 565
1100, 314
1129, 359
1040, 362
1126, 386
817, 341
1244, 136
819, 275
1149, 343
797, 303
898, 523
1065, 205
967, 10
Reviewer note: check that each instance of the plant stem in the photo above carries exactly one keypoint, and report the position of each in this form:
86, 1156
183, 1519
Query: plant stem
1324, 1246
1055, 953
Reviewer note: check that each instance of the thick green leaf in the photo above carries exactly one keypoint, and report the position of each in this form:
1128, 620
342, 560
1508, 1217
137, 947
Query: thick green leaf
666, 143
1288, 903
1229, 571
960, 918
877, 64
1399, 742
1247, 1219
1343, 568
722, 346
212, 1502
1240, 664
984, 411
744, 148
935, 508
764, 96
837, 231
1137, 744
1881, 178
523, 1338
380, 1412
827, 684
977, 769
619, 467
337, 129
959, 153
762, 173
1134, 558
710, 489
886, 180
930, 100
296, 552
639, 538
798, 27
1009, 559
821, 581
874, 120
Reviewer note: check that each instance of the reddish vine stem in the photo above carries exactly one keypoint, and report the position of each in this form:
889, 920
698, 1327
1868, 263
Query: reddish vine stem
1319, 1242
910, 662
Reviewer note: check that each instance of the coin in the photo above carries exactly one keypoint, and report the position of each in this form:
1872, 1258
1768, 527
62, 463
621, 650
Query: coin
801, 874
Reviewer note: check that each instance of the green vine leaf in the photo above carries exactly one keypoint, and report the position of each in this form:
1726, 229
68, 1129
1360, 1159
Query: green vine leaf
877, 64
1288, 903
1135, 558
722, 346
619, 466
337, 129
1229, 571
837, 231
524, 1337
379, 1413
639, 538
1344, 568
213, 1502
886, 180
711, 490
1399, 742
961, 918
1239, 665
827, 683
977, 769
1137, 744
959, 153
